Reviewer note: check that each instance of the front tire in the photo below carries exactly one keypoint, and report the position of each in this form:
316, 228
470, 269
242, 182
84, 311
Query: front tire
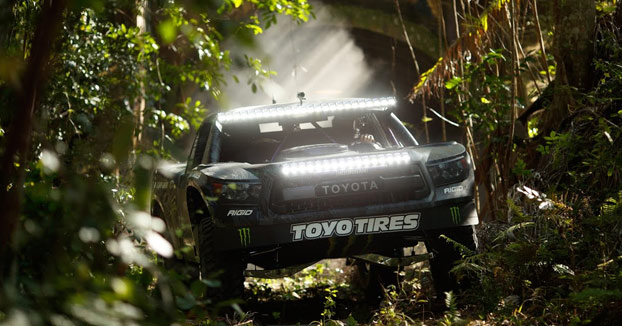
225, 267
446, 256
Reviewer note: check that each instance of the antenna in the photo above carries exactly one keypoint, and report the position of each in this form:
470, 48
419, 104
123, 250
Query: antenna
301, 96
295, 52
270, 78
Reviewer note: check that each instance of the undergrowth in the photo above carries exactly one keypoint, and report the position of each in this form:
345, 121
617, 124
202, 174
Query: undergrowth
555, 261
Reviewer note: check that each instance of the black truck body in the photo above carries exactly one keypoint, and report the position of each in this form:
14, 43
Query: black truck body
289, 184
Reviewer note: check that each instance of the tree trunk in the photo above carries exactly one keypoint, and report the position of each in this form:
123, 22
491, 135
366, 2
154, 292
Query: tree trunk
573, 49
140, 102
17, 141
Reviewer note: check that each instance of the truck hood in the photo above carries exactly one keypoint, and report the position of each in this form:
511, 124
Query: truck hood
252, 172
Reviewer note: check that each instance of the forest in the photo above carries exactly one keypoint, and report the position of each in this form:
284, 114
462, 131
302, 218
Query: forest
96, 94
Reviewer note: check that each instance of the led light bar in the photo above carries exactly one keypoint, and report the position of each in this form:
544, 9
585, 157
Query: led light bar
345, 164
293, 110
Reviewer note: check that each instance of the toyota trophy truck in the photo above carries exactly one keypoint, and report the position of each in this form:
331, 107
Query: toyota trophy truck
275, 188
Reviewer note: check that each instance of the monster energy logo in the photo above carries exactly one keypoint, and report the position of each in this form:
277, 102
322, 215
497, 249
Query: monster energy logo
455, 214
245, 236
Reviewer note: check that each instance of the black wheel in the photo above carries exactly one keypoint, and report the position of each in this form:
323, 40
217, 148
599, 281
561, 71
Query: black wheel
225, 267
446, 256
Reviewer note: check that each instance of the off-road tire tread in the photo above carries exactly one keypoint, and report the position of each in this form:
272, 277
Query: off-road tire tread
229, 263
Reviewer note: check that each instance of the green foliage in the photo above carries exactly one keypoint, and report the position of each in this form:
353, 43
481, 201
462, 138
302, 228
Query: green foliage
86, 251
72, 265
329, 304
200, 40
485, 96
260, 73
401, 303
559, 262
482, 99
521, 169
311, 281
451, 315
298, 10
584, 154
585, 160
464, 251
606, 7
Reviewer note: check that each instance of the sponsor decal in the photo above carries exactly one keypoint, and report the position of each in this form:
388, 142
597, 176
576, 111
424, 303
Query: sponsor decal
455, 214
239, 212
359, 225
347, 187
245, 236
450, 190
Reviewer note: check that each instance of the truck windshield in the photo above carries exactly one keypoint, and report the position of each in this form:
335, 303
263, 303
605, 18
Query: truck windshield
262, 142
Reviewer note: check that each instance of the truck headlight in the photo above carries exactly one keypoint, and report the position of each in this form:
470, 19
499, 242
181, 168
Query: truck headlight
448, 172
237, 191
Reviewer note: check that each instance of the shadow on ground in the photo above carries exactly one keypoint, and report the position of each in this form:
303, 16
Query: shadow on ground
333, 289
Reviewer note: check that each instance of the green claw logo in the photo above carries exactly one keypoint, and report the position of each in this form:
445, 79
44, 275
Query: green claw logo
455, 214
245, 236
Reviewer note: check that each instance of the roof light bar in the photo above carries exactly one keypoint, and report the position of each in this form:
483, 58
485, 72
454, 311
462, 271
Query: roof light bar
307, 108
345, 164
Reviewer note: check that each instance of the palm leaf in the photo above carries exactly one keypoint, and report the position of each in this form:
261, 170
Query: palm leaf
474, 42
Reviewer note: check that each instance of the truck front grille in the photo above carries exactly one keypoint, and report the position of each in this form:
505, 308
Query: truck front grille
392, 193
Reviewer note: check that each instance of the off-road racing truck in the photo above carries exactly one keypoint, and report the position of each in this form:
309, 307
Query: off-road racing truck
281, 186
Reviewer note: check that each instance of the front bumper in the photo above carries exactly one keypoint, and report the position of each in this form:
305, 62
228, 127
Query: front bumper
244, 232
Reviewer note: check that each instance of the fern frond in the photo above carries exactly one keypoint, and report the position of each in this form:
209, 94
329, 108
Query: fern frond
509, 232
464, 251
